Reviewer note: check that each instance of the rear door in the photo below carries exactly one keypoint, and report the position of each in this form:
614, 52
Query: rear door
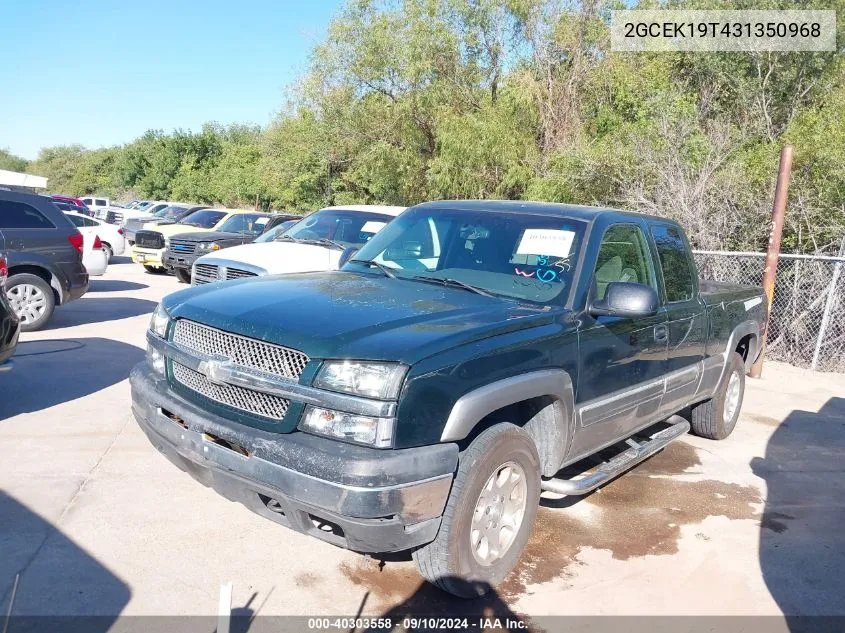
686, 316
622, 360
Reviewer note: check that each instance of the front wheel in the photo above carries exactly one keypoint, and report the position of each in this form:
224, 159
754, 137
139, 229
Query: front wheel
154, 270
489, 514
184, 276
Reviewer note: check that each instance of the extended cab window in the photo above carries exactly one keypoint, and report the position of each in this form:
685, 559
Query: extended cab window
18, 215
623, 256
99, 202
674, 262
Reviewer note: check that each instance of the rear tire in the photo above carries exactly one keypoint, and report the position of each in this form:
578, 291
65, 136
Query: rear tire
184, 276
32, 299
716, 418
498, 474
154, 270
108, 251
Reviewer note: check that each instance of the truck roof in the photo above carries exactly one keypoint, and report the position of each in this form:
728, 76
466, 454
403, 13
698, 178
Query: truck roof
580, 212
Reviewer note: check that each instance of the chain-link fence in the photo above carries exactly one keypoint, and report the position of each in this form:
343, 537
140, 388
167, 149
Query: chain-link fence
807, 325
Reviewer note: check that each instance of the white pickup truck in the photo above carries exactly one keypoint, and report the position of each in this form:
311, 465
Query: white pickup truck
315, 243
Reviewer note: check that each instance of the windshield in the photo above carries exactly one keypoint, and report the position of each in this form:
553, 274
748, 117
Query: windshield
277, 231
348, 228
250, 223
170, 213
204, 218
526, 257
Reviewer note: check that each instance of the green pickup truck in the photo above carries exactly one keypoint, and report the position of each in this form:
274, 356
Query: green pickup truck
422, 397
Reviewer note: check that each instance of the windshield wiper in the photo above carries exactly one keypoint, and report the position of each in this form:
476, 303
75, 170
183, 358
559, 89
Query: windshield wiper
322, 241
455, 283
369, 262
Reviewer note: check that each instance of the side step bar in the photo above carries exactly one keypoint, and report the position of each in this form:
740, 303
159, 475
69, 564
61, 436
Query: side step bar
591, 480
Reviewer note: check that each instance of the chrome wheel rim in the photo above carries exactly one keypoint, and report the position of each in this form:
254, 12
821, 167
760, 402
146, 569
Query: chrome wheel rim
731, 397
499, 513
28, 302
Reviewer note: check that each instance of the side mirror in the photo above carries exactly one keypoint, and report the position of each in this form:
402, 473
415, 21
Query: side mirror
346, 255
626, 299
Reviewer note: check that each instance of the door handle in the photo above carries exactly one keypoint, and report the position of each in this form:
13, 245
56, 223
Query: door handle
661, 332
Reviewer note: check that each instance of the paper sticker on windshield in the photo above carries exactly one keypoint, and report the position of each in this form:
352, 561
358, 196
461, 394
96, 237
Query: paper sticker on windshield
261, 221
372, 227
546, 242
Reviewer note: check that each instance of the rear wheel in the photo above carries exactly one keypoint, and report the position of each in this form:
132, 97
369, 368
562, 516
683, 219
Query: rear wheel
182, 275
154, 270
32, 300
107, 249
716, 418
489, 514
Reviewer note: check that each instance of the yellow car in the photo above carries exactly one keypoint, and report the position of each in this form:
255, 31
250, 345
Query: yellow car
150, 241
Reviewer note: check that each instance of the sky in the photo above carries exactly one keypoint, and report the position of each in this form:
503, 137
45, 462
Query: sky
102, 72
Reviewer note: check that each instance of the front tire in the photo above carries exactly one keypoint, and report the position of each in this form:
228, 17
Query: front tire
154, 270
716, 418
184, 276
489, 514
32, 300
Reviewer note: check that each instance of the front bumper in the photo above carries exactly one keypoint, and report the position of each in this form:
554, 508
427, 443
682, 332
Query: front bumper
148, 256
364, 499
186, 261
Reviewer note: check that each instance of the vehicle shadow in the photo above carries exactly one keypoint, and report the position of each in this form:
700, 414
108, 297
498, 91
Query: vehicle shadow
114, 285
98, 310
802, 548
49, 372
58, 582
438, 607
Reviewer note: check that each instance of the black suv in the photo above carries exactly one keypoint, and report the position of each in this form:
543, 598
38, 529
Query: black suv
44, 254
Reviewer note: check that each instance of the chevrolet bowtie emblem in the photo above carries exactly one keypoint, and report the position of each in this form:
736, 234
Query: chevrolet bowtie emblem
217, 371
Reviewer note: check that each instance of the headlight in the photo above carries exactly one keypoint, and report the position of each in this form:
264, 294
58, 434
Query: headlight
159, 321
209, 246
377, 432
155, 358
375, 380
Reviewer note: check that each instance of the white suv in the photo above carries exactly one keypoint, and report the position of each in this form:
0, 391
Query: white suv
313, 244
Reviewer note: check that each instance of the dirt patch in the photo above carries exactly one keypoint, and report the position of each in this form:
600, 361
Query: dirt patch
763, 419
635, 515
306, 579
775, 521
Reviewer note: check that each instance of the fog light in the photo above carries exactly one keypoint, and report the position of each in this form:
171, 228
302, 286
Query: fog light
360, 429
156, 359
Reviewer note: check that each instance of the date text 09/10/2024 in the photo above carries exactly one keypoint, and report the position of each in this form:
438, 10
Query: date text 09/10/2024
417, 624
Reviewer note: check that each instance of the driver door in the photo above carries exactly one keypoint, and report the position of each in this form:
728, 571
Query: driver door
622, 361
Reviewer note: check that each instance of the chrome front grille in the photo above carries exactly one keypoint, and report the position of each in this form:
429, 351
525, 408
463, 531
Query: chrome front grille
253, 402
238, 273
241, 350
204, 274
114, 217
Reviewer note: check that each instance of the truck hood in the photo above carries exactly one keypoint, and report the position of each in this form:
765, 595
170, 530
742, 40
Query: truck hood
354, 315
214, 236
277, 257
172, 229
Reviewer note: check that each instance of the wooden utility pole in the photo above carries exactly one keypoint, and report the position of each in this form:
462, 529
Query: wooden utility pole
773, 250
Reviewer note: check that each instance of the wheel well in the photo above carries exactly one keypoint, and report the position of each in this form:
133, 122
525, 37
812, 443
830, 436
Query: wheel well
542, 417
46, 275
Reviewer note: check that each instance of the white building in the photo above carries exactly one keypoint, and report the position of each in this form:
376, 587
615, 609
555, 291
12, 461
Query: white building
21, 182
